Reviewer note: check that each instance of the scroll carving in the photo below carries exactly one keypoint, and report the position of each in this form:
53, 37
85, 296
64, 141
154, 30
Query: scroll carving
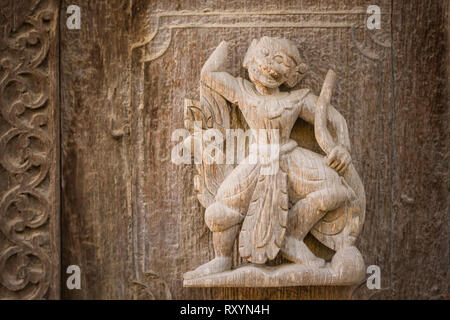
29, 260
280, 192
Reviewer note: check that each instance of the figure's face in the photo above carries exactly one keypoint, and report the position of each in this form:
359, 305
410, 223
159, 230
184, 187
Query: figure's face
269, 67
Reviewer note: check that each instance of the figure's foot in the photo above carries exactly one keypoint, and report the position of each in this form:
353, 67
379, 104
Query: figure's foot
297, 251
348, 264
216, 265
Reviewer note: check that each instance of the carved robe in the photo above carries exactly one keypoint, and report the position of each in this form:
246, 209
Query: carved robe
265, 222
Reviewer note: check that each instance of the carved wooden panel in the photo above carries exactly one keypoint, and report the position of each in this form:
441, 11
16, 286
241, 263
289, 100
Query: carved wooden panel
131, 218
29, 150
328, 36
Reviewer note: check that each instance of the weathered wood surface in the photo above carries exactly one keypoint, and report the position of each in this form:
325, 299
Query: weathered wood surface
131, 219
419, 152
29, 150
95, 83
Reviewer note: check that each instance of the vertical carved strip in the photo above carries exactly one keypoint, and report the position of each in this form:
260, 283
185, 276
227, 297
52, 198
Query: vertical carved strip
29, 150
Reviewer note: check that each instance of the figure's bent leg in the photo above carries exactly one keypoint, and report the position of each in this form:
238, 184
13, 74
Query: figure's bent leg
302, 218
301, 215
297, 251
307, 212
223, 245
225, 216
224, 223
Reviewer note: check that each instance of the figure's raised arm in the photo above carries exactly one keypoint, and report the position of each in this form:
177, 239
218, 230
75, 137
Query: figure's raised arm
214, 76
335, 119
338, 155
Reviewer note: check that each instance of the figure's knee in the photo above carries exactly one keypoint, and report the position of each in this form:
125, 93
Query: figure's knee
329, 199
219, 217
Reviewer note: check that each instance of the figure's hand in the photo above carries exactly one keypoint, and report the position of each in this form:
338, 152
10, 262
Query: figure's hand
217, 60
339, 159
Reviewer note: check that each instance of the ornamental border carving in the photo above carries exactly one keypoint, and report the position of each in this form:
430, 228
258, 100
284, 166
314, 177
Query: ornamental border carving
29, 207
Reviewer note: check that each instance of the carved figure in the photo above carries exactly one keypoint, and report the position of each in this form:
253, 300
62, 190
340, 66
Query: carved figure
305, 192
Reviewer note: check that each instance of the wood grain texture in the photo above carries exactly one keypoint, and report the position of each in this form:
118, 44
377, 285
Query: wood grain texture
131, 218
419, 193
29, 150
95, 76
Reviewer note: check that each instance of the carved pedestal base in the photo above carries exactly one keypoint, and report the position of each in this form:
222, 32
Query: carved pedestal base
346, 268
287, 275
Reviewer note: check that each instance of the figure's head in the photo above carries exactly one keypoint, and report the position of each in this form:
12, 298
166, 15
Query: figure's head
272, 62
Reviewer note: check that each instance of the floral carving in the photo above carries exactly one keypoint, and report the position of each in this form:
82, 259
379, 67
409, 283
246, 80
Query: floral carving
27, 151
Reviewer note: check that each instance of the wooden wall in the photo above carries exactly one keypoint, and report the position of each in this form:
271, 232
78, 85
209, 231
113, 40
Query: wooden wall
129, 216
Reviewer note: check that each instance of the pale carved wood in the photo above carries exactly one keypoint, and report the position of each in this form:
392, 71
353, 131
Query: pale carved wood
272, 213
132, 219
29, 150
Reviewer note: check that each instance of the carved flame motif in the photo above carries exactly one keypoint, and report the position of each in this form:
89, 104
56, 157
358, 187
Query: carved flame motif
212, 111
